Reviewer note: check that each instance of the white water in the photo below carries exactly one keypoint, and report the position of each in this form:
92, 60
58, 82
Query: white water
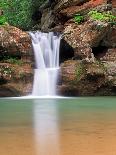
46, 50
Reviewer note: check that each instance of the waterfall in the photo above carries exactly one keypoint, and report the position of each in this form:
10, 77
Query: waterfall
46, 51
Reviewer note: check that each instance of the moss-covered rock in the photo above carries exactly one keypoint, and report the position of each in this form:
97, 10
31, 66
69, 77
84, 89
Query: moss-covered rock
83, 78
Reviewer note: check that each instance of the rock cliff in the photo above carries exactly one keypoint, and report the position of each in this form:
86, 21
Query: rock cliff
87, 51
15, 62
88, 45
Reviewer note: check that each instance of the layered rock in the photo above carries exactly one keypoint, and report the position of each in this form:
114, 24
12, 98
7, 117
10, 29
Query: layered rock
16, 77
81, 78
90, 44
16, 72
69, 12
14, 41
67, 3
110, 39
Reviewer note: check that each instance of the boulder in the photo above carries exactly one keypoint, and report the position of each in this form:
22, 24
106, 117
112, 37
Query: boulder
15, 77
82, 78
14, 41
83, 37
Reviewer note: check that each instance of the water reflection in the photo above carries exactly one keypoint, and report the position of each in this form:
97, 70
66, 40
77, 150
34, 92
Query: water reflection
46, 127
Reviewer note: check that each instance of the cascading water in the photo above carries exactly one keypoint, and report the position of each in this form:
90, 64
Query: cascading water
46, 50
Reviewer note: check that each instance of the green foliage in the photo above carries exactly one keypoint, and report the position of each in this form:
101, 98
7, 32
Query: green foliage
11, 60
19, 12
3, 4
108, 17
14, 61
78, 18
80, 70
3, 20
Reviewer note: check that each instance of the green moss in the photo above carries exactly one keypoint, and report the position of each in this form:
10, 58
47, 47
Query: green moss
78, 18
11, 60
15, 61
101, 65
80, 70
107, 17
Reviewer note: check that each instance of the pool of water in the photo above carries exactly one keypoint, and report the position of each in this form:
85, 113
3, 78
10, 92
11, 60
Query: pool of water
69, 126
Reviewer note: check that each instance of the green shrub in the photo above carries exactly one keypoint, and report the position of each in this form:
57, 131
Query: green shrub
108, 17
78, 18
3, 20
19, 12
14, 61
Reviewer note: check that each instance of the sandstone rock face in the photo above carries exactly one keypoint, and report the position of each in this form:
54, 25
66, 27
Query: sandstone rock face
114, 3
110, 39
16, 73
47, 20
14, 41
69, 12
66, 3
88, 50
82, 78
84, 36
88, 60
15, 79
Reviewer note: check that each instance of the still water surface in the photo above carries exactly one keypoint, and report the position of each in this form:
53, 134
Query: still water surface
74, 126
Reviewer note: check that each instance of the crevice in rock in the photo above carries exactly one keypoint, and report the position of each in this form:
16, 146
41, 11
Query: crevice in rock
62, 18
99, 51
66, 51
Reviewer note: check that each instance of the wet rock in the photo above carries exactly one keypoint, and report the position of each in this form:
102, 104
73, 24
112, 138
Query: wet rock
8, 92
